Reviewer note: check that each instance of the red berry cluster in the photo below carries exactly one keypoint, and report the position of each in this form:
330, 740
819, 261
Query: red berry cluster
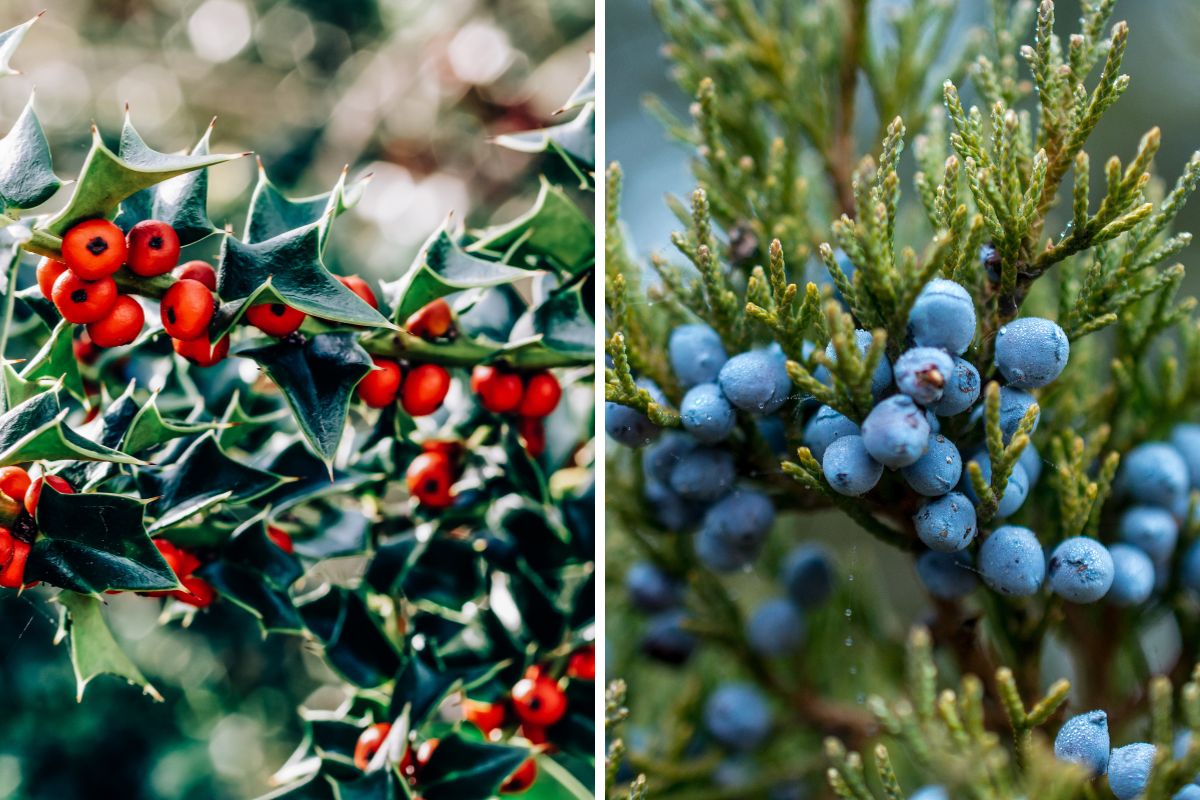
19, 495
196, 591
421, 388
430, 476
531, 397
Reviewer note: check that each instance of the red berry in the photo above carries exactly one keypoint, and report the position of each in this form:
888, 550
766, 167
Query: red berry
360, 288
499, 390
121, 326
369, 742
34, 493
198, 271
582, 664
196, 592
485, 716
451, 450
84, 348
153, 248
281, 539
275, 319
542, 393
425, 752
14, 482
381, 385
431, 321
181, 562
430, 478
81, 301
201, 352
535, 734
13, 574
187, 308
94, 249
424, 389
539, 701
533, 431
47, 273
522, 779
6, 546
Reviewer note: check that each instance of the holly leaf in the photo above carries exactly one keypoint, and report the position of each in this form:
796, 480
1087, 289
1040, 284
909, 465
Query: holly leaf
576, 138
56, 360
287, 269
107, 178
93, 542
317, 379
27, 176
181, 202
585, 92
237, 423
9, 40
556, 782
460, 769
94, 651
560, 324
354, 645
381, 784
255, 574
442, 268
314, 787
554, 229
149, 428
16, 389
311, 478
272, 213
36, 430
202, 477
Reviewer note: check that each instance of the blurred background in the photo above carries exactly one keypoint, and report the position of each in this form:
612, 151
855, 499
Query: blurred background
409, 90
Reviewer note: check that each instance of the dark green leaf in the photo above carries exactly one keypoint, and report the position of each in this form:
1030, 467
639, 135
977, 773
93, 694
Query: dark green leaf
255, 573
272, 213
94, 542
9, 40
36, 431
561, 323
181, 202
27, 176
555, 229
239, 424
314, 787
311, 478
378, 785
354, 645
94, 651
577, 138
318, 380
56, 359
464, 770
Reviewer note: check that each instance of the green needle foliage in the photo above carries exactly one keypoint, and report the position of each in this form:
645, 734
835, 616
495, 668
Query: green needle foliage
790, 193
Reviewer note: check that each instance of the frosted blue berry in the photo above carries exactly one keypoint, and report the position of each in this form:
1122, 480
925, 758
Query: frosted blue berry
737, 716
776, 628
929, 793
1031, 352
1185, 437
736, 772
704, 473
1133, 576
896, 432
1081, 570
665, 637
1084, 740
923, 373
962, 389
1031, 461
1154, 473
881, 378
943, 316
1013, 405
734, 530
1011, 561
651, 589
849, 468
1189, 570
696, 354
672, 511
1152, 529
706, 414
630, 427
936, 472
1015, 491
825, 427
1189, 792
808, 575
947, 576
773, 432
946, 523
1129, 769
756, 381
661, 457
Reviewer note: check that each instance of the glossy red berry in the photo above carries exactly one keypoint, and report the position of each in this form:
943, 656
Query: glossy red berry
369, 742
187, 309
281, 539
380, 386
430, 477
196, 592
201, 352
450, 449
13, 574
34, 493
47, 273
431, 321
6, 546
485, 716
425, 752
275, 319
198, 271
121, 326
94, 249
542, 393
582, 664
360, 288
14, 482
522, 779
81, 301
539, 701
499, 390
153, 248
424, 389
533, 432
534, 734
